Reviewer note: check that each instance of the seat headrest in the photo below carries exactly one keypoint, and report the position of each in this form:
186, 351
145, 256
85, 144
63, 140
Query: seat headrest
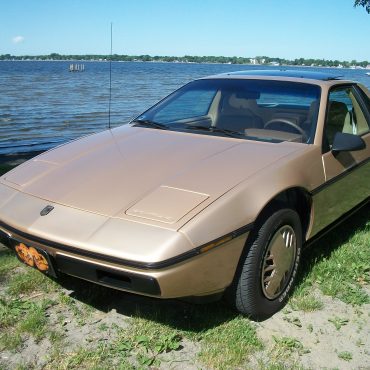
337, 107
337, 113
234, 104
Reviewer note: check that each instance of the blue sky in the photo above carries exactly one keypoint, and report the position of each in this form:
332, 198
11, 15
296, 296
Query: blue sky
329, 29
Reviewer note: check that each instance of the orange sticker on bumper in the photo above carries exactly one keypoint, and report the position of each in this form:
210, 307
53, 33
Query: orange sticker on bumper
31, 257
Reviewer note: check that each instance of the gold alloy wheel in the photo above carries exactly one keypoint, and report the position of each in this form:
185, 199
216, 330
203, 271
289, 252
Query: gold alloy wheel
278, 262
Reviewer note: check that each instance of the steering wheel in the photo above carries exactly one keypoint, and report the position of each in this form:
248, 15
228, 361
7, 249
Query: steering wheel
287, 122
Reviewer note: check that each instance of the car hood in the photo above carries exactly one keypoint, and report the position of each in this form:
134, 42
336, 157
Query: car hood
144, 174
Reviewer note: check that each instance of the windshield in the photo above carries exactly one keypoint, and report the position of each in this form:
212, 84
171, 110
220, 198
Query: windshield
251, 109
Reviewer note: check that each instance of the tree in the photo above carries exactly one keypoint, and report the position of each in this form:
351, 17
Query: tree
364, 3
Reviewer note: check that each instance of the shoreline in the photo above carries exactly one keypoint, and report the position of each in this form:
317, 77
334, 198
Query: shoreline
9, 161
182, 62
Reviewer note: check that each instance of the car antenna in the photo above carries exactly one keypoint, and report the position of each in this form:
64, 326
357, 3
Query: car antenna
110, 72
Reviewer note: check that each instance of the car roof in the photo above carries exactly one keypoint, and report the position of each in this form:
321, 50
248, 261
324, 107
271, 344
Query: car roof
323, 76
311, 75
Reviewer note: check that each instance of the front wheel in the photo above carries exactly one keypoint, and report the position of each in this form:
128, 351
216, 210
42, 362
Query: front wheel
268, 271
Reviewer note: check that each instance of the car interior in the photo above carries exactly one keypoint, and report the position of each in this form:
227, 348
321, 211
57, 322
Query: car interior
282, 122
344, 115
269, 112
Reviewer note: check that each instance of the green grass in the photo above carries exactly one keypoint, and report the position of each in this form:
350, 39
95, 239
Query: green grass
147, 340
12, 310
20, 317
101, 356
149, 343
81, 311
283, 355
34, 323
230, 344
226, 339
339, 264
10, 341
8, 263
304, 300
28, 281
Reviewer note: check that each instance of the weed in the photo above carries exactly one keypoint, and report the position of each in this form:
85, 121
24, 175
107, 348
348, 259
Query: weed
286, 310
145, 348
346, 356
338, 322
279, 364
22, 367
288, 344
103, 327
293, 320
148, 340
55, 337
91, 358
283, 355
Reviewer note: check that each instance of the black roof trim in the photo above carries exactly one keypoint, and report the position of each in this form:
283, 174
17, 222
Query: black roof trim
324, 76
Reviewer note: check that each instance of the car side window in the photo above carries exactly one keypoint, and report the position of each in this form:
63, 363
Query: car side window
365, 98
344, 115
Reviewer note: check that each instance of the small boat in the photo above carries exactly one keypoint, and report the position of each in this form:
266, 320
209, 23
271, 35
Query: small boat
368, 73
76, 67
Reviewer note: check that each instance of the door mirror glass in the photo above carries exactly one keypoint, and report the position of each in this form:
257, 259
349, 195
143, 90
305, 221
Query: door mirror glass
347, 143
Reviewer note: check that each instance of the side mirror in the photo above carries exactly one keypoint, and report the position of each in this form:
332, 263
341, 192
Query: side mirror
347, 143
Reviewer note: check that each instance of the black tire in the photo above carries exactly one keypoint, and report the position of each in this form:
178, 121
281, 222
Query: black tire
254, 291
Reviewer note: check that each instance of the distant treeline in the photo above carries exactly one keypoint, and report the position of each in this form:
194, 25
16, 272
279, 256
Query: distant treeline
193, 59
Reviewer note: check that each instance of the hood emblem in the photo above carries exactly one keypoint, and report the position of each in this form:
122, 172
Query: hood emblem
46, 210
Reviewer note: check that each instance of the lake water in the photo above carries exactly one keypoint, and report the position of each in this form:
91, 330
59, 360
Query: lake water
42, 104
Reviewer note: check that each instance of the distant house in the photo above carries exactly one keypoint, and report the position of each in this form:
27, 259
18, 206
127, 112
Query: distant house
257, 61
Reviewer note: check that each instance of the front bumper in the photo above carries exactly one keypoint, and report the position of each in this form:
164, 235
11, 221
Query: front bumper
198, 275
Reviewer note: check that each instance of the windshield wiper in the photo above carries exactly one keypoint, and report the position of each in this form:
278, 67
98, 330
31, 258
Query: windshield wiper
225, 131
148, 122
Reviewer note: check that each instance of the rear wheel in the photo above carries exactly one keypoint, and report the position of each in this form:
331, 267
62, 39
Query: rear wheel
268, 271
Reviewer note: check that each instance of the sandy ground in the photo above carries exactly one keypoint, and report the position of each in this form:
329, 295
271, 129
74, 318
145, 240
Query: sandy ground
322, 341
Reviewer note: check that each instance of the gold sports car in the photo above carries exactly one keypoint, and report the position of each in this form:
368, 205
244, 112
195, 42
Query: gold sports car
213, 191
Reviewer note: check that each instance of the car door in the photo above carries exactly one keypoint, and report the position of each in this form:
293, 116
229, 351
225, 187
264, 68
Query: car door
347, 173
